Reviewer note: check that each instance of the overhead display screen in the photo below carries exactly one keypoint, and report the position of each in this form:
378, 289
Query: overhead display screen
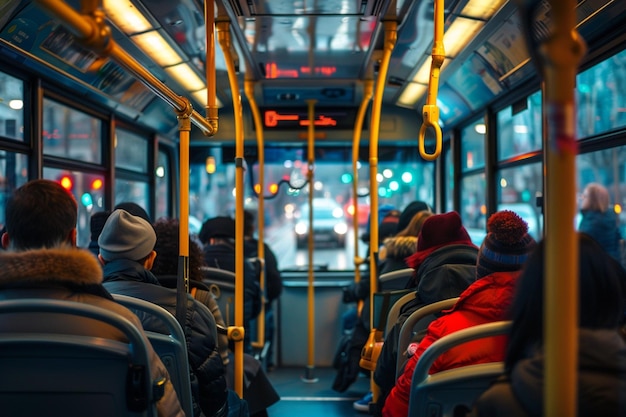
297, 118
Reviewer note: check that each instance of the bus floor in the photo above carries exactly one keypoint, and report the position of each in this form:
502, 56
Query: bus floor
308, 399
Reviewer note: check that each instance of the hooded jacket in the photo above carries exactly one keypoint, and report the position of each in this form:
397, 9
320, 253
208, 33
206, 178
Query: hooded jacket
602, 227
485, 301
208, 384
394, 252
446, 273
75, 275
601, 381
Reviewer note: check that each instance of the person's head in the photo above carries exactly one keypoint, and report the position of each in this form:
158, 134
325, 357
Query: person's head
129, 237
601, 296
439, 230
96, 223
410, 211
506, 246
249, 223
40, 214
595, 197
386, 214
134, 209
217, 228
167, 249
415, 225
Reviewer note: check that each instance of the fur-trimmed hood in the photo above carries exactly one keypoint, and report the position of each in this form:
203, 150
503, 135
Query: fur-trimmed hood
400, 247
50, 266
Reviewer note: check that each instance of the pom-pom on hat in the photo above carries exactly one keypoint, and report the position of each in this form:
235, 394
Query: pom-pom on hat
125, 236
506, 246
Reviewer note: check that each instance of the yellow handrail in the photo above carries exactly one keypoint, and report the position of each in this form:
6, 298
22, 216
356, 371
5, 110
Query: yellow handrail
558, 57
356, 139
256, 115
391, 36
430, 111
311, 288
223, 35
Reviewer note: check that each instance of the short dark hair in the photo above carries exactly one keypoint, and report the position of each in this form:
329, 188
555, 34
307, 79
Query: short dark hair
166, 261
248, 223
40, 213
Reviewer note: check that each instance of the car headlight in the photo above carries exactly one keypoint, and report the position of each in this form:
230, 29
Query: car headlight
341, 228
301, 228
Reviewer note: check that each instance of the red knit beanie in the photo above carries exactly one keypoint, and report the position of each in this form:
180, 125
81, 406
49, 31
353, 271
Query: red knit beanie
439, 230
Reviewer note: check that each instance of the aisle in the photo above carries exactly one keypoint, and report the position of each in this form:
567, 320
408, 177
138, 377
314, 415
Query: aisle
302, 399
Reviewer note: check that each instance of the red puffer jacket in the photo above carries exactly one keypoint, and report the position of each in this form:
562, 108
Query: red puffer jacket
485, 301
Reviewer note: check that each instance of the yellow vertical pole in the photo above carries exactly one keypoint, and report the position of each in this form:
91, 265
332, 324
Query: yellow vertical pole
309, 377
558, 57
356, 140
562, 54
390, 41
256, 114
223, 33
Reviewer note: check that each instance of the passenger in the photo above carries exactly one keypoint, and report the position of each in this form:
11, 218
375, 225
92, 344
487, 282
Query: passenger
601, 389
598, 221
403, 244
134, 209
127, 253
502, 254
445, 265
96, 223
258, 390
42, 261
218, 236
273, 280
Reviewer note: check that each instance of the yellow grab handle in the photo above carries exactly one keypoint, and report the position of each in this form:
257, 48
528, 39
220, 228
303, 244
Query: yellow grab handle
431, 119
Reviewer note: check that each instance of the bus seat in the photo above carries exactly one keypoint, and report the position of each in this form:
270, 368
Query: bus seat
418, 320
449, 393
221, 283
70, 375
171, 348
394, 311
395, 280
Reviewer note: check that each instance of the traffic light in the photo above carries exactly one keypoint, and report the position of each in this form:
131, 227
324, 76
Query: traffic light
66, 182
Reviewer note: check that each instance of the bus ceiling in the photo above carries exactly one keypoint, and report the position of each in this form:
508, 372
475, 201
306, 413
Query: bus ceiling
295, 52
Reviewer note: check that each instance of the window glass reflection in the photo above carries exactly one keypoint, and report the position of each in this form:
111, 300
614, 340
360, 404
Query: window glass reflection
13, 174
519, 130
69, 133
473, 146
11, 107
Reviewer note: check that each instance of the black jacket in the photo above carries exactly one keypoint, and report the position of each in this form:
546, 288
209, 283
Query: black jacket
208, 383
445, 273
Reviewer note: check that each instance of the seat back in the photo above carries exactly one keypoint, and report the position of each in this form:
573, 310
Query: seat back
418, 320
71, 375
394, 311
449, 393
221, 283
171, 347
395, 280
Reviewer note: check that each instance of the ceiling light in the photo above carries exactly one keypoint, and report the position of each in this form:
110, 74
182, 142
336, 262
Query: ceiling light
411, 94
186, 77
480, 9
126, 16
157, 48
459, 34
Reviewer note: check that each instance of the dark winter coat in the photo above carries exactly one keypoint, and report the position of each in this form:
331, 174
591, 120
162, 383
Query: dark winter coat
446, 273
208, 383
601, 381
602, 227
71, 274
